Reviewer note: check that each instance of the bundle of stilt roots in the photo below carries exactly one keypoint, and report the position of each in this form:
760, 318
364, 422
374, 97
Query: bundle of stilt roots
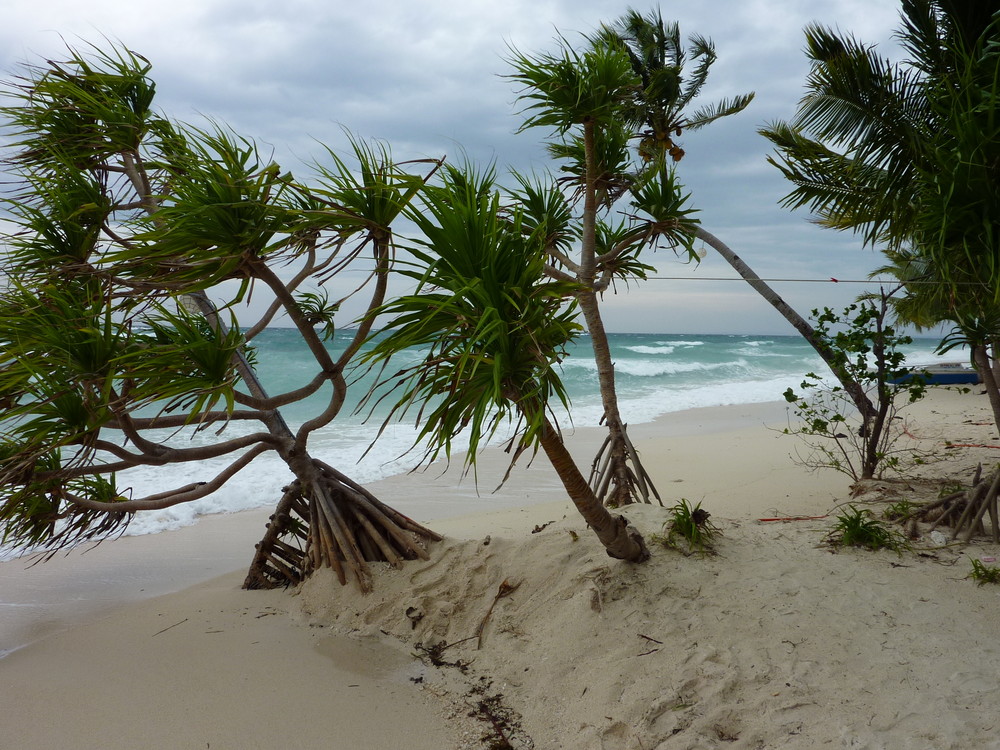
969, 512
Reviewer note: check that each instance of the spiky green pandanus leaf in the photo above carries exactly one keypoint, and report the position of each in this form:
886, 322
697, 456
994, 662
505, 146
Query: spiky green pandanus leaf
570, 87
88, 107
371, 195
183, 364
226, 209
490, 322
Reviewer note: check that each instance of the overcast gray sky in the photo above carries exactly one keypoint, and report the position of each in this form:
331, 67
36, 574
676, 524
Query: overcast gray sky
427, 77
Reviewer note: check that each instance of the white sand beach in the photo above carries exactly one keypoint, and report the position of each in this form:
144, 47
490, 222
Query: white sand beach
775, 642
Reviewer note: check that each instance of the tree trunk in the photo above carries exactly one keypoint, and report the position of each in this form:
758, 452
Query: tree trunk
854, 389
994, 357
985, 367
588, 235
621, 540
873, 439
872, 432
324, 519
612, 478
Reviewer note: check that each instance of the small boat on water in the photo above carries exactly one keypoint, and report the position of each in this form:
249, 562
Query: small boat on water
943, 373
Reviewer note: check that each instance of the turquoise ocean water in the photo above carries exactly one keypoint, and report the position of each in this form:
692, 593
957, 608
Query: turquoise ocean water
656, 374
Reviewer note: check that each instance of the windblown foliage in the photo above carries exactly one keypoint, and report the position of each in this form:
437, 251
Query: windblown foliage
493, 328
109, 342
625, 86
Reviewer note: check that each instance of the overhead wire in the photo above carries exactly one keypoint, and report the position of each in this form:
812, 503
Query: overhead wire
830, 280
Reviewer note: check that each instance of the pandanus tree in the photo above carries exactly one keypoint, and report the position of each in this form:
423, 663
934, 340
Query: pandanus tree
492, 328
629, 87
134, 239
597, 99
904, 154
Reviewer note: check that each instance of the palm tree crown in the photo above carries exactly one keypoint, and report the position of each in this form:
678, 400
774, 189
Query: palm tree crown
485, 313
665, 91
866, 132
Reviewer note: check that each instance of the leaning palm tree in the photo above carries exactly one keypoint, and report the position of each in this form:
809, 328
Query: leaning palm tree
904, 154
493, 327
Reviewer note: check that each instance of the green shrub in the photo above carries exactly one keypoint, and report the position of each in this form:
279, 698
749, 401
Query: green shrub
858, 527
868, 351
689, 530
983, 574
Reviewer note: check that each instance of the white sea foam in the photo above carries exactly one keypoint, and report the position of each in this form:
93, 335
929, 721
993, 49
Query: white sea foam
660, 375
655, 368
6, 553
658, 402
749, 350
652, 349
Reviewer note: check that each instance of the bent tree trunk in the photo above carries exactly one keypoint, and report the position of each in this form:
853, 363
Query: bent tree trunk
621, 540
323, 519
617, 476
981, 358
994, 352
853, 389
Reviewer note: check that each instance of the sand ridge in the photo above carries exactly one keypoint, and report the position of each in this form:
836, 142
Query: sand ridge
774, 642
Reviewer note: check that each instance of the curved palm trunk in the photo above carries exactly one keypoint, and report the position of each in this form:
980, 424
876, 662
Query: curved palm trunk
982, 359
854, 389
324, 519
621, 540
